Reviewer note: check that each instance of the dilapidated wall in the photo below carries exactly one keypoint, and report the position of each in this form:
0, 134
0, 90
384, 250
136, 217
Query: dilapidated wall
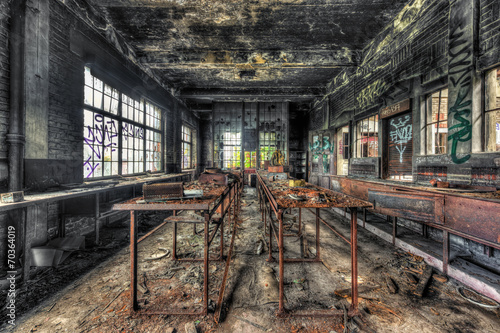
4, 89
60, 39
429, 45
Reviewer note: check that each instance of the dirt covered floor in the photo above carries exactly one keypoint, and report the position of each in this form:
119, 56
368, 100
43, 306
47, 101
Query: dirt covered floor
98, 301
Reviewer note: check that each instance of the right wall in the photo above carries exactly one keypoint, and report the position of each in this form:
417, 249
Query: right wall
424, 101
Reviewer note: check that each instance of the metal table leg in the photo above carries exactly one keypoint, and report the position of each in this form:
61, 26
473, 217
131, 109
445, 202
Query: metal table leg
133, 259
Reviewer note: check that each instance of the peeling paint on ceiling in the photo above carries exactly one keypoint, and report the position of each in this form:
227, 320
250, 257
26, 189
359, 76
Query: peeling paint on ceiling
249, 44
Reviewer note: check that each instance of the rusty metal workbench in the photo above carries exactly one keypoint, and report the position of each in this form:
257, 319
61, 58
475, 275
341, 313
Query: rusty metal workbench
33, 204
274, 197
458, 213
220, 203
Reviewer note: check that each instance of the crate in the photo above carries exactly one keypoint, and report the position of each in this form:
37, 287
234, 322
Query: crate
12, 197
279, 168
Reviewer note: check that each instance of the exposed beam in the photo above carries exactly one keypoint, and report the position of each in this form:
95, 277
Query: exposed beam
269, 59
206, 95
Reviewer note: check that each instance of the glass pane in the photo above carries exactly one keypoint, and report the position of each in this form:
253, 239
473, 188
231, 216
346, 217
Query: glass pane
492, 131
88, 77
97, 99
107, 103
88, 96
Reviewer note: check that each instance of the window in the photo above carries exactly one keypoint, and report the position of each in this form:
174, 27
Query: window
367, 137
227, 135
437, 122
187, 145
107, 114
343, 150
153, 138
273, 119
492, 110
231, 148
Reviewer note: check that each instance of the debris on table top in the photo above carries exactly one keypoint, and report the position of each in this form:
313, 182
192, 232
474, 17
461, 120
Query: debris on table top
210, 193
310, 196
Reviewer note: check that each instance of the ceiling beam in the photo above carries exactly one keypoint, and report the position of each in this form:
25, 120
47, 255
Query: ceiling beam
291, 94
270, 59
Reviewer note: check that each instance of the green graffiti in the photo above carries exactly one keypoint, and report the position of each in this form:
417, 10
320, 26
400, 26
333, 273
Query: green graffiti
326, 163
464, 127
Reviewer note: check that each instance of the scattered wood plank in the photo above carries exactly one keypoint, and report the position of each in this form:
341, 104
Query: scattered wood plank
117, 295
414, 270
391, 285
84, 319
440, 278
424, 281
411, 278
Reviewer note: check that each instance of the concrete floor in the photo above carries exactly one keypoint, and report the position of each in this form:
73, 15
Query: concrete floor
99, 300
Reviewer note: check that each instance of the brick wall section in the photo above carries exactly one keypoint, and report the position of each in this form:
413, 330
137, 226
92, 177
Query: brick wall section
206, 142
489, 36
70, 40
65, 91
4, 89
409, 53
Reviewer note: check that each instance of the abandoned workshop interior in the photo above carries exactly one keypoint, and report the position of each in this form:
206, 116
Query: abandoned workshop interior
250, 166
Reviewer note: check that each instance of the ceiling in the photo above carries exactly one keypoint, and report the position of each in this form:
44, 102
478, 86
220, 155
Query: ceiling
239, 49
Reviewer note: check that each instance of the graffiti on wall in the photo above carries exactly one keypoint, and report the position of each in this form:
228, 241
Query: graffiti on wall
460, 79
401, 133
321, 146
100, 139
370, 94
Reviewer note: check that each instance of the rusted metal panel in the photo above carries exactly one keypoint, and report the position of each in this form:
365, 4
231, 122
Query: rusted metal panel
476, 217
420, 207
162, 190
468, 217
213, 178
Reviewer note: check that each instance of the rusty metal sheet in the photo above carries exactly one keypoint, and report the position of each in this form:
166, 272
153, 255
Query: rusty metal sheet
213, 178
407, 204
162, 190
473, 216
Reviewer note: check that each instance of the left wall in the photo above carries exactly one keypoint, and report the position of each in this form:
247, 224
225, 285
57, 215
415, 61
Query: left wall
60, 38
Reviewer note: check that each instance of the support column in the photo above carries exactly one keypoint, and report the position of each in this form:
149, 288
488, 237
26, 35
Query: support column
461, 55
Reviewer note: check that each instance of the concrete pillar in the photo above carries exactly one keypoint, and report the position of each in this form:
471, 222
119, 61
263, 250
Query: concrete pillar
460, 79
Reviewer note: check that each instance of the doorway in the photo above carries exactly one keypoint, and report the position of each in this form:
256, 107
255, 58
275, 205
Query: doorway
343, 151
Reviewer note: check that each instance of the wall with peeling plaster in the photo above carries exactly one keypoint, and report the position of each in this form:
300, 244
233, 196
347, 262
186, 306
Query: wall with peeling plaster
409, 59
73, 39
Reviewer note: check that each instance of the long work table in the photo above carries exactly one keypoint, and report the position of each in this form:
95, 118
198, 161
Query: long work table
277, 196
218, 203
30, 206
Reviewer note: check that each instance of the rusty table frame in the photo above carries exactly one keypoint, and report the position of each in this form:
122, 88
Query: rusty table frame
214, 211
268, 205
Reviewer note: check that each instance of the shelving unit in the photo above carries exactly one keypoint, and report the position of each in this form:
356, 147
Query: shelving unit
298, 162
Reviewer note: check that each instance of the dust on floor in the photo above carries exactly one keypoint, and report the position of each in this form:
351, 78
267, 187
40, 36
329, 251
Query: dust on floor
99, 300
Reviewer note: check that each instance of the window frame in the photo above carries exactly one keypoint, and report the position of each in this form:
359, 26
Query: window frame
428, 113
190, 143
357, 142
487, 111
140, 125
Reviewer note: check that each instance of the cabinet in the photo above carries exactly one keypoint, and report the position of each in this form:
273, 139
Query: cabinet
298, 163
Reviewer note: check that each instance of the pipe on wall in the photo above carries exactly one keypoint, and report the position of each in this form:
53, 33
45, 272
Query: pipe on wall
16, 137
